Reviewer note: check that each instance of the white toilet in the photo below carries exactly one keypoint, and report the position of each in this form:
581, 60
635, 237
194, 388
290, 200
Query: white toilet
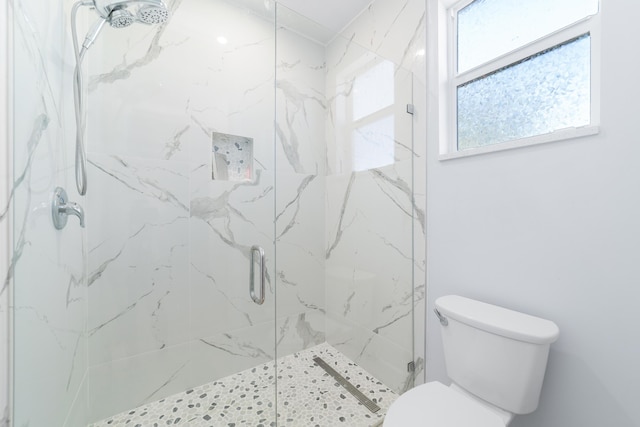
495, 358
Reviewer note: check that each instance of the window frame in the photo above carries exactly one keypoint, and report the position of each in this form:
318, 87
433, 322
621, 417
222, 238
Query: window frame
452, 80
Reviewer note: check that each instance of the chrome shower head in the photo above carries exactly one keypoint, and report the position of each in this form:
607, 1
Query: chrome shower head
116, 11
120, 18
150, 14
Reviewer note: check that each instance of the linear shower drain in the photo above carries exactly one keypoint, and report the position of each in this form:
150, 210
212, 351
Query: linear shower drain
368, 403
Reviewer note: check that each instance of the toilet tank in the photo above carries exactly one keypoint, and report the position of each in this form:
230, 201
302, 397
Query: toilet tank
498, 355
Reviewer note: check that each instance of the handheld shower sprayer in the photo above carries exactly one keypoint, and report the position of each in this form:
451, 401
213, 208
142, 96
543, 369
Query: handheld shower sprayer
117, 14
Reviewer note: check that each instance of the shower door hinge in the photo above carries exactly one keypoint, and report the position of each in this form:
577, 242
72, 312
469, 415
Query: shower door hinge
411, 366
410, 108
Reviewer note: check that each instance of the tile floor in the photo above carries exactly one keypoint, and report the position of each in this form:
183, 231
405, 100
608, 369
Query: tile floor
307, 396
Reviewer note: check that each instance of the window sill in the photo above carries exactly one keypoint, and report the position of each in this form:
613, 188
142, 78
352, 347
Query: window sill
559, 135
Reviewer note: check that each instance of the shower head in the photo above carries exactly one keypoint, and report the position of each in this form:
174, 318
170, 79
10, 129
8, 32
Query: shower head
150, 14
120, 18
118, 15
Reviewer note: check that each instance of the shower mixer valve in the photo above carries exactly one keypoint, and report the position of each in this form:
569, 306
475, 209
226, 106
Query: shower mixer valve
61, 208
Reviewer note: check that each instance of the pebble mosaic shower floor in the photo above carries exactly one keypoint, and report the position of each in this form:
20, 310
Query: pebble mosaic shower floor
307, 396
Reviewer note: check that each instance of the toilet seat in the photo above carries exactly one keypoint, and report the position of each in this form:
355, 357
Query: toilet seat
436, 405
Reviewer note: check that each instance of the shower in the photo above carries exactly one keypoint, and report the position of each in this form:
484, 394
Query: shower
221, 131
118, 15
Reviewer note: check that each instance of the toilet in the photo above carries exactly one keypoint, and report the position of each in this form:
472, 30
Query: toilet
496, 359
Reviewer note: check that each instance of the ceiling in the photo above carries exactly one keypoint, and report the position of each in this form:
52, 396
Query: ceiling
332, 14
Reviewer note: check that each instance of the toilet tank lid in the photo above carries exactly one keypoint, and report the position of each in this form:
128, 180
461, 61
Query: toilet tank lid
498, 320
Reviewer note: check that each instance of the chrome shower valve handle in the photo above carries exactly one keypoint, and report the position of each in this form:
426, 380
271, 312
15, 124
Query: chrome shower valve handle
61, 208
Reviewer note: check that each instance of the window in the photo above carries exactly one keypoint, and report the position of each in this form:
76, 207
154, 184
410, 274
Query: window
518, 73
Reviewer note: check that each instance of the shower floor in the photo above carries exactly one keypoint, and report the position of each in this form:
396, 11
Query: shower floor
307, 396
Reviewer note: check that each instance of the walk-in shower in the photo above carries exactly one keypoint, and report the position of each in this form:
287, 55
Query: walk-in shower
236, 137
118, 15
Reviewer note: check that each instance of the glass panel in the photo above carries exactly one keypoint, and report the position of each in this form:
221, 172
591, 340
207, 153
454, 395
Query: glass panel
546, 92
149, 304
344, 221
490, 28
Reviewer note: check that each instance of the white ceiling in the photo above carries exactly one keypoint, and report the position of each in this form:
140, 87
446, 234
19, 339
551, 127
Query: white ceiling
332, 14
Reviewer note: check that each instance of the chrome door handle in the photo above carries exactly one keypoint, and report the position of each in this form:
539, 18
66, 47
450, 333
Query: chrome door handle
252, 280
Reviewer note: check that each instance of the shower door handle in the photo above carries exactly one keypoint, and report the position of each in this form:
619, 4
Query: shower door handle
252, 279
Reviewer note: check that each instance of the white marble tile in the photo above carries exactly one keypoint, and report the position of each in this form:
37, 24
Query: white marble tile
126, 383
299, 332
222, 354
391, 28
47, 266
138, 256
375, 194
373, 352
299, 239
5, 234
168, 248
419, 225
177, 84
301, 104
226, 221
79, 412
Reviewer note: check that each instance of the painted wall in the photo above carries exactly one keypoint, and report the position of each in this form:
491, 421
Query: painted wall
553, 231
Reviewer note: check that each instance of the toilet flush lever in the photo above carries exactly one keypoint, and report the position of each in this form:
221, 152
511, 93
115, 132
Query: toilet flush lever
443, 320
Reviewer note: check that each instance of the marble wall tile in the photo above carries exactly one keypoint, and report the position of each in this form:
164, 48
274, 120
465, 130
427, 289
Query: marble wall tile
392, 29
169, 272
47, 266
168, 248
138, 270
301, 164
300, 103
126, 383
5, 220
375, 190
300, 331
79, 414
419, 225
378, 353
226, 221
222, 354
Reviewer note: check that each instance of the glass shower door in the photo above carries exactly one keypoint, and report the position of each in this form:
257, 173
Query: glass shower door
196, 153
147, 311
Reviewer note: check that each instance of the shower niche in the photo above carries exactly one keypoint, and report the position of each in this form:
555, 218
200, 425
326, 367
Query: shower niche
231, 157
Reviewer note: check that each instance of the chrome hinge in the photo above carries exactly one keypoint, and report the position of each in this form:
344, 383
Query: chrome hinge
410, 108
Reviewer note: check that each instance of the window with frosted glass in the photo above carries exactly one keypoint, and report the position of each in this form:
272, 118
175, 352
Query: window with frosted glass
488, 29
520, 69
546, 92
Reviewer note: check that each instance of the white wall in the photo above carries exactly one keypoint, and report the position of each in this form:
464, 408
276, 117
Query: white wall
553, 230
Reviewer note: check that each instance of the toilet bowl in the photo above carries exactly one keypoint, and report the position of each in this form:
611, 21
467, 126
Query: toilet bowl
496, 359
